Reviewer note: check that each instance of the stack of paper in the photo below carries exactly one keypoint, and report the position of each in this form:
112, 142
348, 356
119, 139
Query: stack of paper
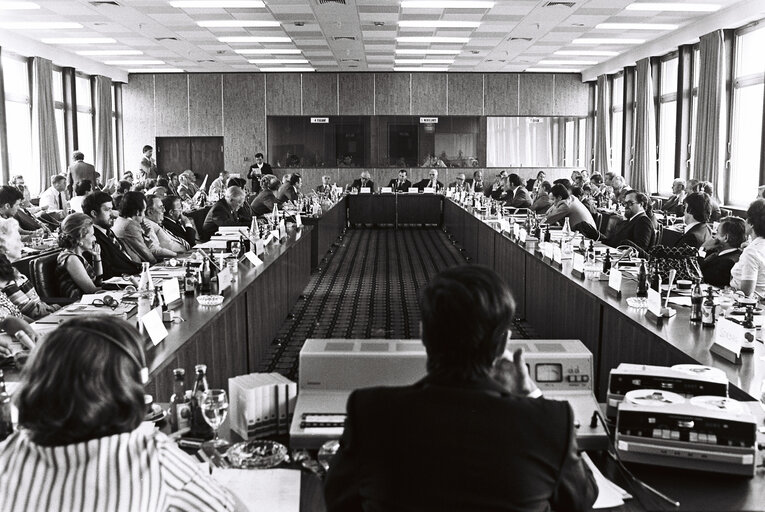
261, 404
609, 494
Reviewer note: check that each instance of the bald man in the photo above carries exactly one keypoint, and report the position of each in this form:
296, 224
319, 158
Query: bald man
230, 210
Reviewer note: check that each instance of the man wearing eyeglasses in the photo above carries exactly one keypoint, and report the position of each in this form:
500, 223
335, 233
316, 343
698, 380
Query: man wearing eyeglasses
430, 182
459, 183
638, 230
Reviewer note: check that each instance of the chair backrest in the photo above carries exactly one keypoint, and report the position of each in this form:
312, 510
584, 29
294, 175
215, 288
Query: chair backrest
43, 270
724, 212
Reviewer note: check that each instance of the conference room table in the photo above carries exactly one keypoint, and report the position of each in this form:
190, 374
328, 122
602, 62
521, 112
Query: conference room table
395, 209
327, 228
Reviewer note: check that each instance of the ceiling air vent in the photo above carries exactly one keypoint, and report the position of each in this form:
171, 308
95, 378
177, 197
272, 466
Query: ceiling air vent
343, 38
519, 39
340, 2
350, 60
101, 3
559, 4
166, 39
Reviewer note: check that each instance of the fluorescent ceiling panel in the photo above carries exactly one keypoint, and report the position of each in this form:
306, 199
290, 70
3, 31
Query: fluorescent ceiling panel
428, 68
155, 70
39, 25
567, 62
402, 51
134, 62
218, 4
79, 40
287, 70
95, 53
587, 53
606, 40
278, 61
446, 4
236, 23
552, 70
431, 39
438, 24
254, 39
674, 7
268, 51
636, 26
18, 6
406, 62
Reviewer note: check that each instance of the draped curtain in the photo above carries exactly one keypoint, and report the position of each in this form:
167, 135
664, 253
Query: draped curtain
643, 175
44, 136
4, 160
710, 122
103, 114
603, 127
519, 141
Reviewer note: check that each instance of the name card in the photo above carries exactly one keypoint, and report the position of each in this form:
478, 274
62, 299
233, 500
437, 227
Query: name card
522, 235
516, 230
170, 290
557, 255
152, 322
615, 282
354, 192
366, 190
413, 190
224, 280
547, 250
449, 192
252, 258
319, 120
728, 339
504, 225
577, 265
387, 190
298, 220
428, 190
282, 229
428, 120
260, 247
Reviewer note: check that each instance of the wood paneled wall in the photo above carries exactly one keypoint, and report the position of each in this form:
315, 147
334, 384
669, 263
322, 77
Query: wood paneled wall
235, 105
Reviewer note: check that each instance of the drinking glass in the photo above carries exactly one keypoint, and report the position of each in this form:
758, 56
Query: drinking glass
214, 410
236, 248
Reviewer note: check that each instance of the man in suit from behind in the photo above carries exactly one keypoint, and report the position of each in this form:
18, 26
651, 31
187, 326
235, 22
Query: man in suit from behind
400, 184
698, 209
723, 251
257, 170
80, 171
521, 196
116, 260
522, 452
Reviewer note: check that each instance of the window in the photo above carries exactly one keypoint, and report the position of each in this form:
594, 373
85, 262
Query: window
667, 123
115, 114
18, 111
85, 141
530, 141
746, 115
694, 107
58, 105
617, 116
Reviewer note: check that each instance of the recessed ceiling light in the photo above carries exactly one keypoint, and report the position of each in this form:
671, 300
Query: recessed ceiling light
402, 51
268, 51
587, 53
446, 4
254, 39
568, 62
18, 6
423, 61
677, 6
278, 61
431, 39
155, 70
39, 25
134, 62
79, 40
552, 70
109, 52
636, 26
236, 23
218, 4
429, 68
439, 24
606, 40
287, 70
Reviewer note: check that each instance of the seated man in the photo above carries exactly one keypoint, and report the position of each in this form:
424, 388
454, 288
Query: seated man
81, 189
323, 190
400, 184
114, 255
543, 202
431, 181
163, 244
475, 184
218, 186
708, 189
698, 208
364, 181
290, 191
522, 452
53, 200
228, 211
10, 205
521, 197
175, 222
569, 206
495, 189
533, 185
674, 204
264, 202
18, 182
638, 231
723, 251
459, 183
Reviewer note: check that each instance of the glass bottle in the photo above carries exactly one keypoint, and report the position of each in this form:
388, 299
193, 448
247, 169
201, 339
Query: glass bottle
655, 279
190, 280
199, 427
708, 310
204, 285
642, 289
566, 229
146, 293
6, 424
180, 411
590, 255
607, 262
697, 297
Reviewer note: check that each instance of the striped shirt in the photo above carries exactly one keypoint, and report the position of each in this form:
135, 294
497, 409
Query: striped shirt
140, 471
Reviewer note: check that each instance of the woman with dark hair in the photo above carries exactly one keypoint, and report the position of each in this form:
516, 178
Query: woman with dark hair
128, 227
264, 202
76, 275
748, 275
81, 446
13, 283
81, 189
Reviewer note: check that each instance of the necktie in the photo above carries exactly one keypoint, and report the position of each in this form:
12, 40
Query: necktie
115, 240
60, 203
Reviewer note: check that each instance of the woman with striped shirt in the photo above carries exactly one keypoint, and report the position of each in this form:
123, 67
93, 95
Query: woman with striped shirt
81, 445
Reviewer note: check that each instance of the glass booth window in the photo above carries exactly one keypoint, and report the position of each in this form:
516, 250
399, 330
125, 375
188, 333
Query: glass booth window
335, 141
531, 141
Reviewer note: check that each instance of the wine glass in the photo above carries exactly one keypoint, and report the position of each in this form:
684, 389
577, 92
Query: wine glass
214, 410
236, 248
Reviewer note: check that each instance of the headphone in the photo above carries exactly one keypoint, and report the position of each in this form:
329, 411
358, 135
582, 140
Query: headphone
143, 370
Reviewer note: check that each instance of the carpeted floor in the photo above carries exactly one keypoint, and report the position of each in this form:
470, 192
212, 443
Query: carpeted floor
366, 288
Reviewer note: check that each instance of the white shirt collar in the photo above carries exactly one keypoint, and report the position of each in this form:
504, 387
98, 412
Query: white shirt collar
726, 251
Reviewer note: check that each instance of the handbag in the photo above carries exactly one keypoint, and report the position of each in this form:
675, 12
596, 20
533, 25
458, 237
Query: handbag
684, 260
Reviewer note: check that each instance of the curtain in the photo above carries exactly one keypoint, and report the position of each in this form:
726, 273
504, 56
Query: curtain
603, 127
710, 122
103, 113
44, 136
519, 141
4, 160
643, 174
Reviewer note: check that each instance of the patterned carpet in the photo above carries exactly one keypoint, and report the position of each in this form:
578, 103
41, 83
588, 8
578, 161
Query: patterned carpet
367, 287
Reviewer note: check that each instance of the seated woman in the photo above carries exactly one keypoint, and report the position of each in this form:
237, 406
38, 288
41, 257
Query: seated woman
76, 276
264, 202
748, 275
12, 282
81, 404
723, 251
129, 229
698, 208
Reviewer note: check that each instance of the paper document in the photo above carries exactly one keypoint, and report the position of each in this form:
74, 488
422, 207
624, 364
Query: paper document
609, 494
275, 490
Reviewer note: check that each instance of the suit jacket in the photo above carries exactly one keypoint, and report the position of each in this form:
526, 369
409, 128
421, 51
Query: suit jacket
263, 203
186, 233
130, 234
255, 177
673, 205
576, 212
286, 192
221, 215
324, 189
404, 187
716, 269
426, 183
357, 184
477, 448
494, 193
80, 171
115, 261
521, 198
542, 203
149, 167
637, 231
474, 186
27, 221
696, 236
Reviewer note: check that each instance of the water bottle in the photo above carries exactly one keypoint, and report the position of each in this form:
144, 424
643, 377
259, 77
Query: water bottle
145, 291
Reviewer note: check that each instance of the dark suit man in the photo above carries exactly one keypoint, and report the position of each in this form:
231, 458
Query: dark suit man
80, 171
430, 182
475, 184
364, 181
400, 184
698, 209
229, 211
723, 251
176, 223
115, 258
290, 190
521, 197
257, 170
637, 231
674, 204
483, 438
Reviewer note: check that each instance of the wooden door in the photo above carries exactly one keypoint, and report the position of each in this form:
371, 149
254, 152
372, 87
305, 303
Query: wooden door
207, 157
173, 154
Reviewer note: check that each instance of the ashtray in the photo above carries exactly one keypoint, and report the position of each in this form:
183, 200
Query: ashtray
637, 302
257, 454
210, 300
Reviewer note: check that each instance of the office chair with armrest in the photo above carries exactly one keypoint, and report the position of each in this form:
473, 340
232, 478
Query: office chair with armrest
45, 281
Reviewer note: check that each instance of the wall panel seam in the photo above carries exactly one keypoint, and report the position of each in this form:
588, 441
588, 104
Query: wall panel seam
222, 112
188, 104
374, 94
483, 94
447, 95
337, 88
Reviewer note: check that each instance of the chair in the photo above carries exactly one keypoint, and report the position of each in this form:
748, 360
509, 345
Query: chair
724, 212
44, 279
